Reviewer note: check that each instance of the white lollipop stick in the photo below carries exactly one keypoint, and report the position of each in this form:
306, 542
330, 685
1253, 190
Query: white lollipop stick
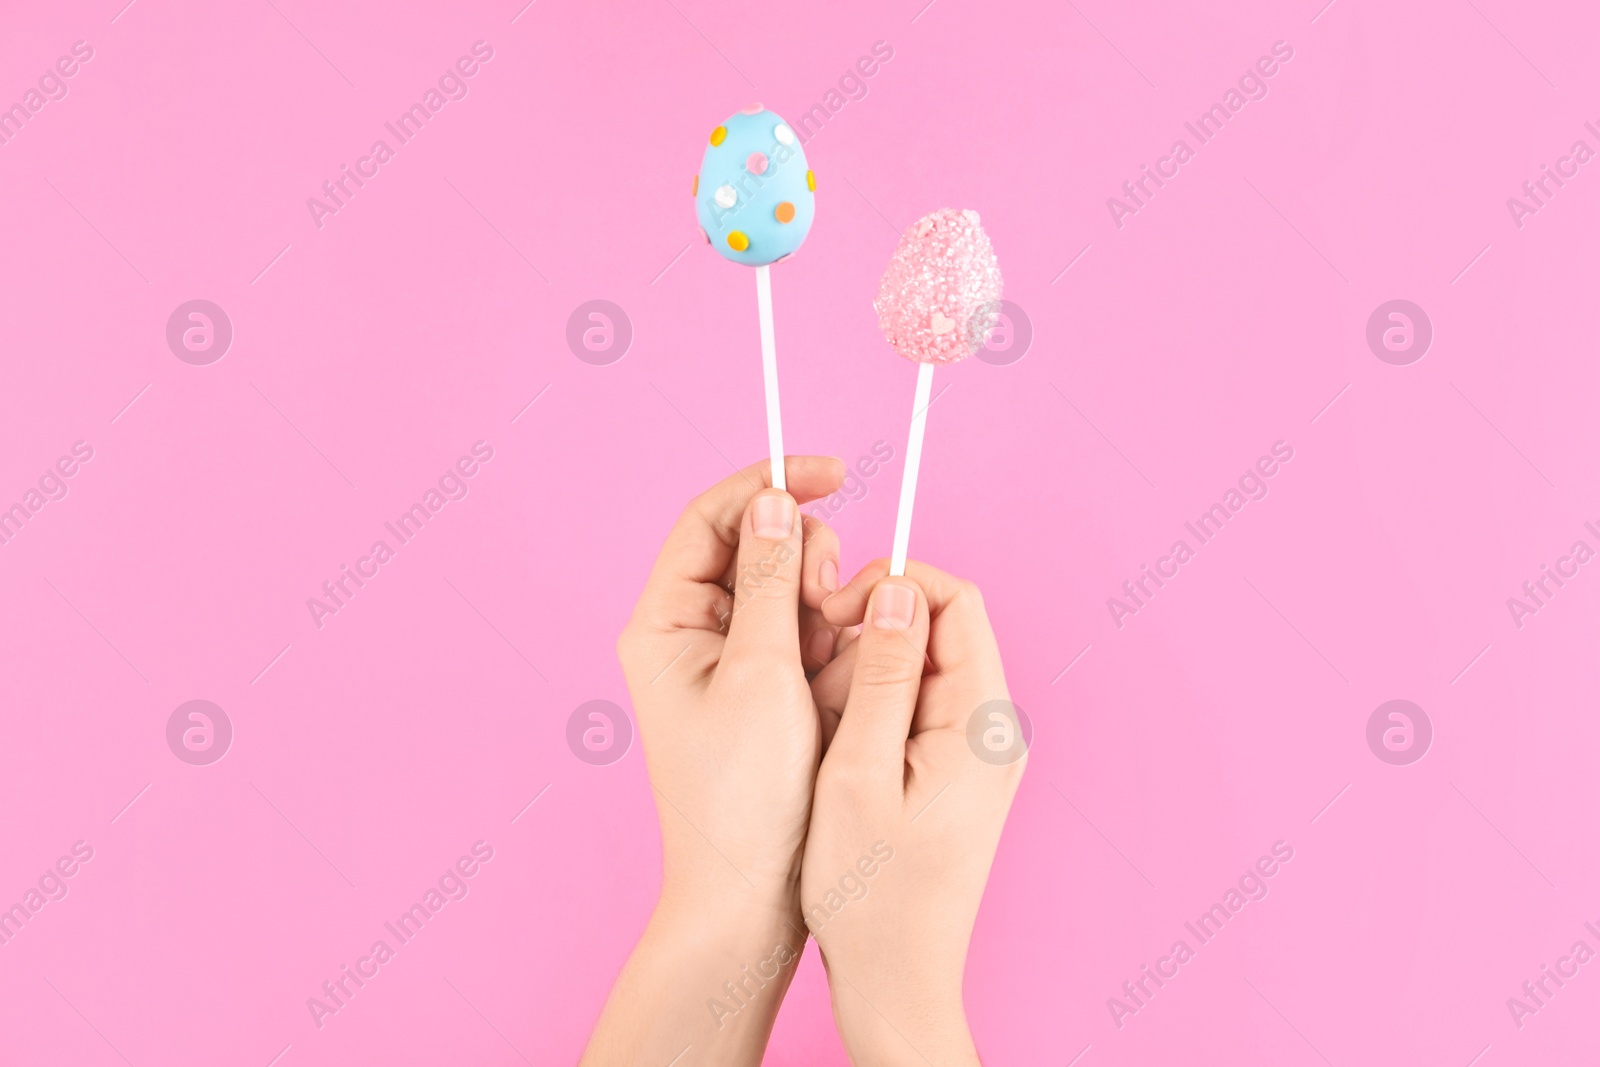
908, 480
769, 374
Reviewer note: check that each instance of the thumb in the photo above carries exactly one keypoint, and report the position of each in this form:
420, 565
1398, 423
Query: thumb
890, 655
765, 624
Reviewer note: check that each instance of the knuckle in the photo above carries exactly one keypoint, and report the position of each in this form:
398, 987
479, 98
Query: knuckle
757, 590
842, 775
968, 593
744, 672
893, 669
820, 540
627, 644
966, 603
767, 574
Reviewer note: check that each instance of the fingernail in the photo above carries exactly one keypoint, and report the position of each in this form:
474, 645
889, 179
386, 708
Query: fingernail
821, 646
828, 575
893, 607
773, 516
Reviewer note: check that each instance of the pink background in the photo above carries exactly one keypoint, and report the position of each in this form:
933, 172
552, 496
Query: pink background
370, 353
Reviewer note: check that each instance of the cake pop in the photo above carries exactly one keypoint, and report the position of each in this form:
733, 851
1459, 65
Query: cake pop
937, 303
755, 198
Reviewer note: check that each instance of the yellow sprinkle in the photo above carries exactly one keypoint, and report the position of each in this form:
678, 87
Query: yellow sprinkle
738, 241
811, 180
718, 135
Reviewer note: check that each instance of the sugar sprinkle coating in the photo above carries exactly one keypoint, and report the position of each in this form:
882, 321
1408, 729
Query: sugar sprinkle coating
940, 296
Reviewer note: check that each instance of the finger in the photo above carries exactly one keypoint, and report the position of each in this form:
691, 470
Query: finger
883, 688
692, 606
818, 639
961, 635
702, 543
831, 688
848, 635
819, 575
765, 626
826, 549
848, 606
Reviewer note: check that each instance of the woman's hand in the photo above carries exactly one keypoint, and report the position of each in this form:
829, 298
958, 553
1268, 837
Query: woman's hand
907, 815
716, 657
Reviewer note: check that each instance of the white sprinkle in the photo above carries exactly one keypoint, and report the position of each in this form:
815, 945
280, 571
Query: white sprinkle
783, 133
726, 197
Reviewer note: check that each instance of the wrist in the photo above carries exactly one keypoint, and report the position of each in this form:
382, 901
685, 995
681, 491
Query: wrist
717, 893
727, 922
744, 953
729, 909
929, 1027
702, 977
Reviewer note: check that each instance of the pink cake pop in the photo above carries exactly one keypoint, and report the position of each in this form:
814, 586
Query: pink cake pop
941, 294
937, 303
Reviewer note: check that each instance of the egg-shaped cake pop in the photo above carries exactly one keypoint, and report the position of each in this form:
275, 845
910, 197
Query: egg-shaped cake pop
755, 195
940, 297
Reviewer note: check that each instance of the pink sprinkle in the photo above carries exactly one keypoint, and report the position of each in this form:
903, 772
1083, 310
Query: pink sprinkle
753, 109
757, 163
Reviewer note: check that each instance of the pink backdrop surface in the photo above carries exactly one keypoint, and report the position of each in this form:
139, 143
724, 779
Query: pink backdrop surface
1174, 342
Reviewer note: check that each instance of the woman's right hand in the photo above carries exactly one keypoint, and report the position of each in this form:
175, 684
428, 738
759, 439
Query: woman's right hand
907, 815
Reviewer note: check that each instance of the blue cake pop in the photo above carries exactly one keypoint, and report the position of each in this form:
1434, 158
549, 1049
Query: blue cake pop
754, 195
